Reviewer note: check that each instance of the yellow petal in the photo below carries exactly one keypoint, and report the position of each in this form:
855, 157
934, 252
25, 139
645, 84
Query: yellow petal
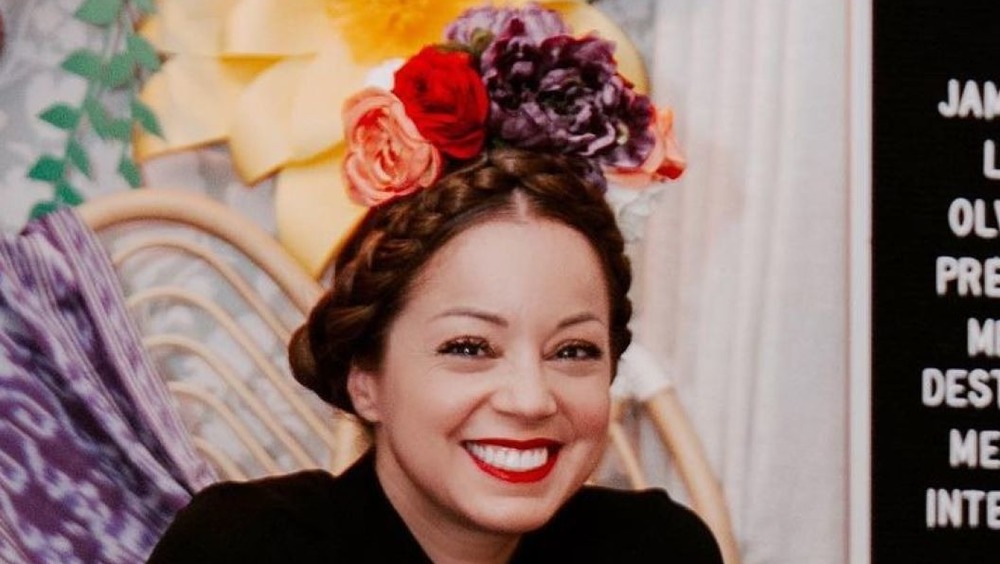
260, 137
329, 79
584, 18
188, 26
278, 27
193, 98
379, 30
312, 210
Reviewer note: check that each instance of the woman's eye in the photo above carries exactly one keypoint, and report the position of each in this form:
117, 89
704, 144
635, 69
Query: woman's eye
467, 347
579, 351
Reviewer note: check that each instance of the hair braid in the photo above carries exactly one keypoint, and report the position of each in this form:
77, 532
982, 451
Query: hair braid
375, 267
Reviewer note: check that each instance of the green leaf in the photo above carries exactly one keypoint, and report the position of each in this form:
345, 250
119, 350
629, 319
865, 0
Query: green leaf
147, 7
66, 194
106, 126
61, 116
129, 171
99, 12
43, 208
98, 116
83, 62
47, 168
120, 70
78, 156
146, 118
143, 52
120, 129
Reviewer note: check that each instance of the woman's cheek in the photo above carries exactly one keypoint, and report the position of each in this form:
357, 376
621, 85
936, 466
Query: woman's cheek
591, 410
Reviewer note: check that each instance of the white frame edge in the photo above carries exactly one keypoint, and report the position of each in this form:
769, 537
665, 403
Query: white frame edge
860, 280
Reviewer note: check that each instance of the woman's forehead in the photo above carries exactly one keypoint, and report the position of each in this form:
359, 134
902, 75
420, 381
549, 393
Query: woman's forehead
507, 265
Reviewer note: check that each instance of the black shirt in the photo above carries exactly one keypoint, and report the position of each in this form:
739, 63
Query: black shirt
315, 517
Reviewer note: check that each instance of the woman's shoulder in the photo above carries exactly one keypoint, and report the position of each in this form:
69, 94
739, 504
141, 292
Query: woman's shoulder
247, 520
289, 495
636, 525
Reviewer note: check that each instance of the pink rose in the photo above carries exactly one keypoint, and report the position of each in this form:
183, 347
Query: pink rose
386, 155
665, 161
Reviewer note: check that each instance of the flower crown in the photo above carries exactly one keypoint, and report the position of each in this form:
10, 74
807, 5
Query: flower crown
512, 77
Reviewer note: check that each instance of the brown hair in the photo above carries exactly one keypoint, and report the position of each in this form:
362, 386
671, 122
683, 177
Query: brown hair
377, 264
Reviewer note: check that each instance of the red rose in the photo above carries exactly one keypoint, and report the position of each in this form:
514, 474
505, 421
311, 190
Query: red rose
445, 97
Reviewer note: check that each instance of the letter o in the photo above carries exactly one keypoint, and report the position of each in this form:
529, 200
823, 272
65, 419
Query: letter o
961, 218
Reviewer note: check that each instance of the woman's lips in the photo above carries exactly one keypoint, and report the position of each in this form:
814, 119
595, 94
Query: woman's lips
512, 460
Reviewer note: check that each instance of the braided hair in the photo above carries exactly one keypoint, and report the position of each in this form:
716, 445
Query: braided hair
375, 268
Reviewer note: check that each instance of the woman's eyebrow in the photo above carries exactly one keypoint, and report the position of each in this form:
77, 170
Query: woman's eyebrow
475, 313
582, 317
496, 319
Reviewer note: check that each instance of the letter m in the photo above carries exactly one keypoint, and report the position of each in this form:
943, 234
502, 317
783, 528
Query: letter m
962, 449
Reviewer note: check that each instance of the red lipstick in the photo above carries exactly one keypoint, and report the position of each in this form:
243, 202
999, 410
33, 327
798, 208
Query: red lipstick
517, 476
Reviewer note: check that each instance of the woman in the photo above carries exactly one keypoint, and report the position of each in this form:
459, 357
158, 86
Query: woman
475, 327
475, 321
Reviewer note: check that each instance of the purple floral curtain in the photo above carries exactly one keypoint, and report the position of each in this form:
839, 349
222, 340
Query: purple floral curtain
94, 461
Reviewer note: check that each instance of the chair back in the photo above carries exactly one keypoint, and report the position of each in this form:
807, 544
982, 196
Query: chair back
216, 300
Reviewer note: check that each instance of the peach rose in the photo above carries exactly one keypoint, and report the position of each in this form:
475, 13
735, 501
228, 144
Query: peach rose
386, 155
665, 161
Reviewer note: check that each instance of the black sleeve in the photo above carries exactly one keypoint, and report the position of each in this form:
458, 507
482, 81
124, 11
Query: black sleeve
689, 538
232, 522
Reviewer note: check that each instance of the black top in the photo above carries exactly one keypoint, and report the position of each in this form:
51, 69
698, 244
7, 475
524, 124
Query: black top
314, 517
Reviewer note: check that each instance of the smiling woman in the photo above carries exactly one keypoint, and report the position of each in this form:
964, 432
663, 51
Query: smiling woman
476, 318
491, 399
475, 327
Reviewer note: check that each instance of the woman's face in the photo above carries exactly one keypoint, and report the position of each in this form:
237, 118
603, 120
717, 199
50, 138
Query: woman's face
491, 407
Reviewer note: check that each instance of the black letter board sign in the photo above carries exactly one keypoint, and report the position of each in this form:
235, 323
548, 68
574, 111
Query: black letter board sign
936, 281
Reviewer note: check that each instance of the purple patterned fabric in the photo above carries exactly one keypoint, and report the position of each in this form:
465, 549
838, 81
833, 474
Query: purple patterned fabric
94, 461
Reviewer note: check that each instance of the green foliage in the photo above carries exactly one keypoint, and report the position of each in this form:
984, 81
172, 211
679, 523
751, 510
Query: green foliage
120, 129
85, 63
43, 208
145, 117
100, 12
67, 194
119, 70
143, 53
125, 60
129, 171
61, 116
78, 156
147, 7
47, 169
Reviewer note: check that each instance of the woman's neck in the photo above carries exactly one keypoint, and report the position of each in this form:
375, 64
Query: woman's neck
446, 538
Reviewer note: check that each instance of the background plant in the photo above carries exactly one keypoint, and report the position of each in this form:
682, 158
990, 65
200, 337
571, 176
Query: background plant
117, 69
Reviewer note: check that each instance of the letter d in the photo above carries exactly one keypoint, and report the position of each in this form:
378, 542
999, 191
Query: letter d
932, 390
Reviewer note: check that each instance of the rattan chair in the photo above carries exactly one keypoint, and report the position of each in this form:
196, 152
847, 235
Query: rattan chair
248, 417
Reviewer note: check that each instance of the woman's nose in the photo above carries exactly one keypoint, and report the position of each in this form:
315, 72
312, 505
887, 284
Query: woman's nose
526, 392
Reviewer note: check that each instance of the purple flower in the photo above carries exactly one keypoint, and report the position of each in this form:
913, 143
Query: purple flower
565, 95
474, 24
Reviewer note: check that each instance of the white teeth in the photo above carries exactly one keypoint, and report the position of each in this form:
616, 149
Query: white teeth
506, 458
512, 460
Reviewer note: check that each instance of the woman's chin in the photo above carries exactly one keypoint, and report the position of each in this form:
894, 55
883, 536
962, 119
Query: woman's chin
513, 516
515, 508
